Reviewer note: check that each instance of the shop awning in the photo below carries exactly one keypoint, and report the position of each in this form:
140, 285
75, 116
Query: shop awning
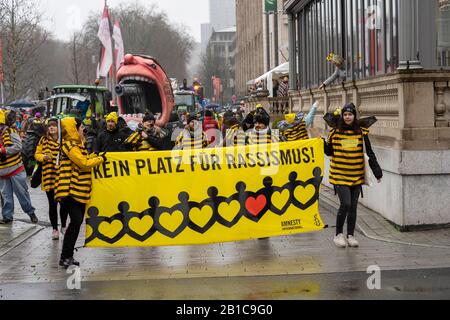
274, 74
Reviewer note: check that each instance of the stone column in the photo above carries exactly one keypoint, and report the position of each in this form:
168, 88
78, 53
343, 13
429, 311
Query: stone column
408, 25
292, 53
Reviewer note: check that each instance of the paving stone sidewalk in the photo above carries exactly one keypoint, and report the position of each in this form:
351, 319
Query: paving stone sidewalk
374, 226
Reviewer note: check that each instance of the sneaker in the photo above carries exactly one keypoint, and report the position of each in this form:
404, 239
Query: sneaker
340, 241
6, 221
55, 235
66, 263
63, 230
352, 242
33, 218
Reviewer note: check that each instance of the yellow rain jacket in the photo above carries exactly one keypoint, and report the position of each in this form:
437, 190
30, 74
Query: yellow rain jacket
74, 172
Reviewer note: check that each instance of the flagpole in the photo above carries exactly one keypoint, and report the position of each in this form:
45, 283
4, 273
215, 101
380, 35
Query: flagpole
3, 96
2, 79
113, 80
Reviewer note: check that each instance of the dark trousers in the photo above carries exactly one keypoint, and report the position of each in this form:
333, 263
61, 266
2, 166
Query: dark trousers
348, 197
76, 212
53, 211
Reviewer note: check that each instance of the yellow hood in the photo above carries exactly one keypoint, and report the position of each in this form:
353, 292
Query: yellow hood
290, 118
112, 116
2, 117
69, 129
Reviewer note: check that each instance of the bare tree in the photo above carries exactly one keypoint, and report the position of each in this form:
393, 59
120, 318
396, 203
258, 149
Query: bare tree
34, 60
23, 37
145, 30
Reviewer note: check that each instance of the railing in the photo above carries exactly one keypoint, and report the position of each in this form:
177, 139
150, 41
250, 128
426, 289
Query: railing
276, 107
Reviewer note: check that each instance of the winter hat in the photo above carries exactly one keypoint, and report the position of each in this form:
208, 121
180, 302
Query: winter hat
52, 119
290, 117
191, 117
335, 58
149, 117
261, 118
112, 117
349, 108
2, 117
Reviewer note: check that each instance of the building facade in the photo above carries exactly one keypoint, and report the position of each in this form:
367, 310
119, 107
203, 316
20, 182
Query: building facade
397, 65
206, 31
222, 15
249, 42
276, 40
222, 46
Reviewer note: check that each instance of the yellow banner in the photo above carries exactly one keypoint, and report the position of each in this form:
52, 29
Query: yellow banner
205, 196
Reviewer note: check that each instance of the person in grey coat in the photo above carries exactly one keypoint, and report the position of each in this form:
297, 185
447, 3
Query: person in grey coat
339, 73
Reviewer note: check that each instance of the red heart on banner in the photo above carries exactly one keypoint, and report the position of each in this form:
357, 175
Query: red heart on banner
256, 205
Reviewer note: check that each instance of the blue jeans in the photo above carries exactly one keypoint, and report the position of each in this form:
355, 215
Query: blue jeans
15, 185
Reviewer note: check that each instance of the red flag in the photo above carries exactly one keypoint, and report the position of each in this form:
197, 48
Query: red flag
118, 44
104, 34
217, 85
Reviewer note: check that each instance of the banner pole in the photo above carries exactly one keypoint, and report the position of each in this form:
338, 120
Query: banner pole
2, 93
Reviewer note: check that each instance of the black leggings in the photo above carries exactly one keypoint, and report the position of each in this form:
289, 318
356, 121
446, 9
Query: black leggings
76, 213
53, 211
349, 197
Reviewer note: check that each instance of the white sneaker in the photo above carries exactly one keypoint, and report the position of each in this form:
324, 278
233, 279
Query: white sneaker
340, 241
352, 242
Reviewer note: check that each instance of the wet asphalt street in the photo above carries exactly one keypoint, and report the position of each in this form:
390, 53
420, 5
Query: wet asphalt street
303, 266
422, 284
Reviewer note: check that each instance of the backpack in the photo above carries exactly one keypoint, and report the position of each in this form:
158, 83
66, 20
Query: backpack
29, 145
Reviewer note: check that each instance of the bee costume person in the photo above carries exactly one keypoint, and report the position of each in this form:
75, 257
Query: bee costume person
73, 186
345, 147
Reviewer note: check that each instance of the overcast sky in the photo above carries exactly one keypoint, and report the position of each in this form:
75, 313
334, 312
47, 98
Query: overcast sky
65, 16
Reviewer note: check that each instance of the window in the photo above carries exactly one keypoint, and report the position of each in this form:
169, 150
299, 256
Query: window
363, 32
443, 33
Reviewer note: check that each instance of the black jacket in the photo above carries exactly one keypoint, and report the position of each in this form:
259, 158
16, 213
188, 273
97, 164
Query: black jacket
112, 141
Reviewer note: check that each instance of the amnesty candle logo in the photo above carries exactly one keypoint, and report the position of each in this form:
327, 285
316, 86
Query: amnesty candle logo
137, 203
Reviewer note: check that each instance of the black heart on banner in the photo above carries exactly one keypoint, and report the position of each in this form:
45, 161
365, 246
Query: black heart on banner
196, 213
305, 194
169, 221
228, 211
141, 226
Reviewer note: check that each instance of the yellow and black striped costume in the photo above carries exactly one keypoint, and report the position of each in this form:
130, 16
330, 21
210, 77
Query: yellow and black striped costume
138, 143
187, 140
47, 146
266, 137
347, 162
74, 180
235, 136
298, 132
11, 160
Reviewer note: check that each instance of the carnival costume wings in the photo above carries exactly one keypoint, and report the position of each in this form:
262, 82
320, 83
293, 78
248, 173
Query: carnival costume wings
332, 119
